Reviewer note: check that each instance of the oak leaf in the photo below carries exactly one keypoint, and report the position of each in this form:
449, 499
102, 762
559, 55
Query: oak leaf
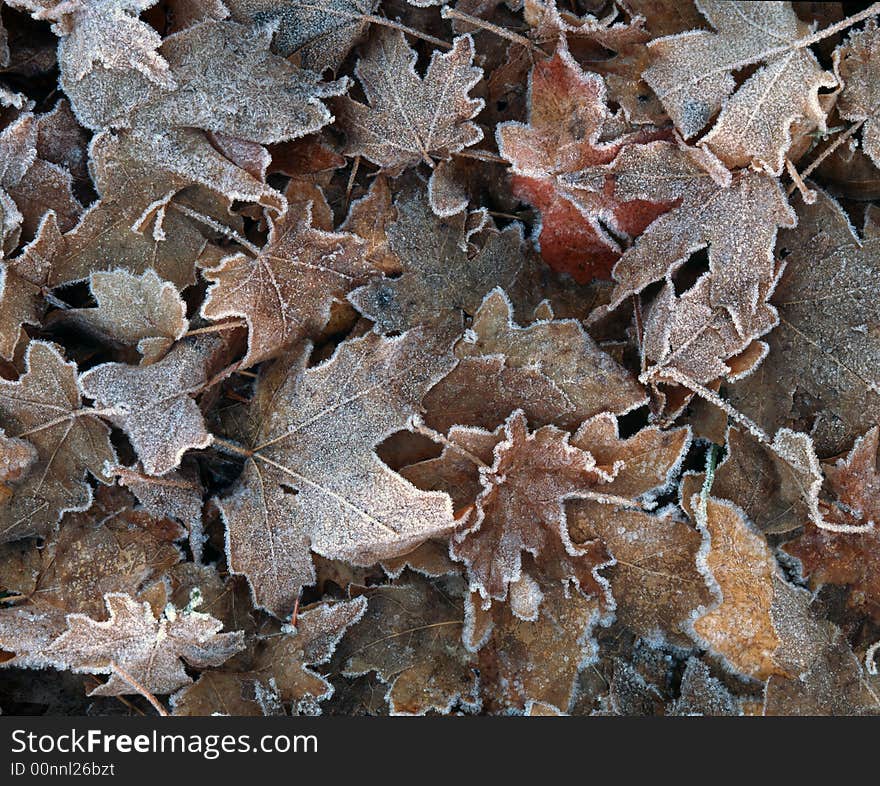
691, 73
313, 432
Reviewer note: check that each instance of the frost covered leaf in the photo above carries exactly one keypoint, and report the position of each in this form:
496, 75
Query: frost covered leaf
285, 293
702, 694
736, 221
22, 279
691, 73
17, 152
108, 32
821, 374
523, 661
17, 456
141, 311
411, 637
439, 281
321, 33
411, 119
857, 64
44, 407
561, 350
370, 218
848, 558
742, 628
279, 664
566, 118
312, 480
521, 508
154, 404
149, 649
109, 548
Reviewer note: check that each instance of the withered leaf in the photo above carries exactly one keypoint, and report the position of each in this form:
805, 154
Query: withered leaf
280, 664
44, 407
149, 649
285, 293
857, 64
141, 311
703, 694
411, 119
154, 404
821, 374
439, 280
322, 34
691, 73
848, 558
566, 118
411, 636
312, 481
736, 220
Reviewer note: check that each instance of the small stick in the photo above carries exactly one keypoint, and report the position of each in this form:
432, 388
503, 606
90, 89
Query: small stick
117, 669
229, 325
825, 153
217, 227
381, 20
231, 447
809, 196
354, 170
450, 13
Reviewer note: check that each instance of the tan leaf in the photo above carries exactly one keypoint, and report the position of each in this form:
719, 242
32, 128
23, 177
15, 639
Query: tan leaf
410, 636
411, 119
154, 405
691, 73
857, 65
821, 375
141, 311
312, 480
44, 407
285, 293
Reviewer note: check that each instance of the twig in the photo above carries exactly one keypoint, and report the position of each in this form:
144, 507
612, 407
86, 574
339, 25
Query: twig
231, 447
381, 20
825, 153
117, 669
450, 13
809, 196
217, 227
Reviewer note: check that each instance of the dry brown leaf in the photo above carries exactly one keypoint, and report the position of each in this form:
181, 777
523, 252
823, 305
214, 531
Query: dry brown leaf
44, 406
411, 119
321, 34
279, 667
857, 65
702, 694
691, 73
439, 282
285, 293
370, 218
821, 374
312, 481
410, 636
154, 404
142, 311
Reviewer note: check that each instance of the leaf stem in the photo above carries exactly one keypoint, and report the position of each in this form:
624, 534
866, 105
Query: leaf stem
119, 671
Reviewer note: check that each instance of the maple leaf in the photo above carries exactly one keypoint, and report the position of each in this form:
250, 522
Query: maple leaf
439, 280
285, 293
848, 558
736, 218
17, 456
521, 508
314, 431
322, 34
153, 404
411, 119
410, 636
857, 63
522, 661
149, 649
109, 548
567, 114
142, 311
280, 665
44, 406
562, 350
370, 218
821, 374
691, 75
